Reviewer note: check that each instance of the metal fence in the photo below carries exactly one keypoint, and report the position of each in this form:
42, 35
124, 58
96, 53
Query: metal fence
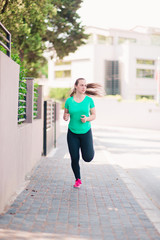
5, 39
35, 102
28, 100
50, 113
49, 135
22, 101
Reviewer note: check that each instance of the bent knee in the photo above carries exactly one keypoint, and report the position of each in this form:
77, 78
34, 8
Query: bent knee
88, 159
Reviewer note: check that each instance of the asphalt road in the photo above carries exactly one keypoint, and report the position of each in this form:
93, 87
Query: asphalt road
137, 151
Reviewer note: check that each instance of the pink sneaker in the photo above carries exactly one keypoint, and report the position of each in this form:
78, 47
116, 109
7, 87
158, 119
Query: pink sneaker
80, 182
77, 183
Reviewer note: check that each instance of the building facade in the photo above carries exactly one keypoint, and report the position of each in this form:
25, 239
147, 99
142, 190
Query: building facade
124, 62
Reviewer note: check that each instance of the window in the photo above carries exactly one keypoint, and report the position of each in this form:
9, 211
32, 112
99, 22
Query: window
145, 61
122, 40
139, 97
62, 63
112, 80
63, 74
105, 39
145, 73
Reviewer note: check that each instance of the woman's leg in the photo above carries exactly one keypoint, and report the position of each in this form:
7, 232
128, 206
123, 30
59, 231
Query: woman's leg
74, 146
86, 145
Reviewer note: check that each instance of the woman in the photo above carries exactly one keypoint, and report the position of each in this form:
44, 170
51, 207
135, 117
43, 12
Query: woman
81, 110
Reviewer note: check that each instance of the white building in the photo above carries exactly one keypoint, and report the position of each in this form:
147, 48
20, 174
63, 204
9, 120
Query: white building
124, 62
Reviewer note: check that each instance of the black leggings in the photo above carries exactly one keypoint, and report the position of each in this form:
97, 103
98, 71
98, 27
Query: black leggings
83, 142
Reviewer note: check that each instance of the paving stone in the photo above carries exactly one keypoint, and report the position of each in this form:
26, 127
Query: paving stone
103, 208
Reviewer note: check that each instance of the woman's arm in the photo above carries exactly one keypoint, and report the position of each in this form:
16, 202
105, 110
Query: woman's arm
66, 114
91, 117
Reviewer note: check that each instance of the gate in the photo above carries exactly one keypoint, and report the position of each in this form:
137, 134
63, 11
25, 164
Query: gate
49, 129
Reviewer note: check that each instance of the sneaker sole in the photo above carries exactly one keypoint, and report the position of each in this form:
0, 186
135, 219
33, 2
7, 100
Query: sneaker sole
76, 187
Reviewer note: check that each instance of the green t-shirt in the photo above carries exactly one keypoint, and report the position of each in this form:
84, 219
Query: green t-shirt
76, 110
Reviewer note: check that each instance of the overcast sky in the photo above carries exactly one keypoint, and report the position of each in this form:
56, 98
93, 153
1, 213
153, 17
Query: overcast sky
123, 14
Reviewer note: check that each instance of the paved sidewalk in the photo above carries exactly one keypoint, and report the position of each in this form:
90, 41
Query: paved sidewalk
50, 208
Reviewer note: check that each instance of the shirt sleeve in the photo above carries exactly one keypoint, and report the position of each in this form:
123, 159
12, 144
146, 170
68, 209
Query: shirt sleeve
92, 105
67, 104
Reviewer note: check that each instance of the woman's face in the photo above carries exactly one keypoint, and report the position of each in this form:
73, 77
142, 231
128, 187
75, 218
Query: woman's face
81, 87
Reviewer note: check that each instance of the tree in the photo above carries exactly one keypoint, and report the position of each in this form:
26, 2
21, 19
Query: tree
25, 19
66, 33
33, 23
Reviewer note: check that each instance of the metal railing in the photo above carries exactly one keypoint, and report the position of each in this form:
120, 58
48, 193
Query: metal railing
5, 41
53, 112
35, 103
28, 100
22, 101
50, 114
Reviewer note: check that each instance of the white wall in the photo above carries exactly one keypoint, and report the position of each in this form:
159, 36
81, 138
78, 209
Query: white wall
110, 112
9, 75
82, 68
20, 146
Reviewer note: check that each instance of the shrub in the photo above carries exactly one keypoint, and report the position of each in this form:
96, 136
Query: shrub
60, 94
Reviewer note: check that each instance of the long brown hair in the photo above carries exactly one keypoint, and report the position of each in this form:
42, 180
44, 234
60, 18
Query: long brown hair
94, 89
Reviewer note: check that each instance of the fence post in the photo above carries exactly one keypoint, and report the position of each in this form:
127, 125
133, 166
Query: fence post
45, 129
29, 100
55, 125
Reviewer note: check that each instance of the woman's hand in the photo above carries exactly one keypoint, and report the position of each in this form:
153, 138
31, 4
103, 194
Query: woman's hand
91, 117
66, 116
83, 118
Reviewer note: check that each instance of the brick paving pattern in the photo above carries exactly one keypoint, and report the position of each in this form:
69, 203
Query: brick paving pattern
50, 208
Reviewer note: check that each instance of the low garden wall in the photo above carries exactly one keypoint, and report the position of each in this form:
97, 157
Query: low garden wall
136, 114
21, 145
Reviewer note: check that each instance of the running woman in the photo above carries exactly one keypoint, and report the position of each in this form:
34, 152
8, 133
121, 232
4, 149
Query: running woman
80, 109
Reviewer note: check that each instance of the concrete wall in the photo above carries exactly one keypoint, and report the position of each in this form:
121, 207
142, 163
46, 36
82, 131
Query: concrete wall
110, 112
20, 145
